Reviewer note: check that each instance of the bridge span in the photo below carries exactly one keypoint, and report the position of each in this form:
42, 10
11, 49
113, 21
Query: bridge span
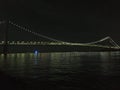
104, 44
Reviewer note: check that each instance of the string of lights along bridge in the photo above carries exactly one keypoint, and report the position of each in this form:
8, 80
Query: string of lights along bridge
53, 41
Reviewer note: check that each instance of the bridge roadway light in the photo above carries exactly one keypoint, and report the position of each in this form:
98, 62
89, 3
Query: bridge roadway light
38, 43
34, 42
27, 43
18, 42
3, 42
52, 43
13, 42
22, 42
41, 43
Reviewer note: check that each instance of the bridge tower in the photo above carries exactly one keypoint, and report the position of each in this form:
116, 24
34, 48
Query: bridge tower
5, 47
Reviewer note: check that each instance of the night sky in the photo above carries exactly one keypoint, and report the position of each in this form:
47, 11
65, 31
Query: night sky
82, 21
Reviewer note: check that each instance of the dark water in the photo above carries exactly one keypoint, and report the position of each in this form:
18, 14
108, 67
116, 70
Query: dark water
63, 70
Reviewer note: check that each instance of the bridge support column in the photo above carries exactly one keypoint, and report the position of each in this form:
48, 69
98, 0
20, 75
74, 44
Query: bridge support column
5, 47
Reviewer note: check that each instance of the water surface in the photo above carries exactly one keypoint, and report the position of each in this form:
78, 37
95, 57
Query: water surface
61, 66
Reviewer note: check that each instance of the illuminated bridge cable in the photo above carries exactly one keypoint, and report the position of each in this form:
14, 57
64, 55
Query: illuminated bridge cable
101, 40
67, 43
37, 34
104, 39
114, 43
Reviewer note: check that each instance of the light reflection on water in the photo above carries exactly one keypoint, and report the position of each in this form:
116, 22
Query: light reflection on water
60, 65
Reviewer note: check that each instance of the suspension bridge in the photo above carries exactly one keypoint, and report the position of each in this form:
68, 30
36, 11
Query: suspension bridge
106, 43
